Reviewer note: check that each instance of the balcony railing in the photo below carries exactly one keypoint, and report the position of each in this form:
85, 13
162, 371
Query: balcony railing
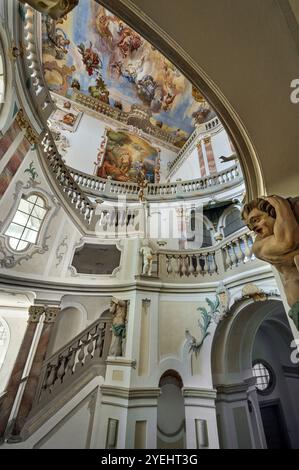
111, 189
66, 184
210, 262
30, 66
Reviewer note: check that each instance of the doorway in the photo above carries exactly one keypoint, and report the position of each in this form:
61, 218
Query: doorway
274, 425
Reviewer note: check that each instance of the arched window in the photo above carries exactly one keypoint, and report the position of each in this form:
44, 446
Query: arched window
233, 222
26, 224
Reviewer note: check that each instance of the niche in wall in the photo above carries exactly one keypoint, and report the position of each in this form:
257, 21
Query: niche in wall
96, 259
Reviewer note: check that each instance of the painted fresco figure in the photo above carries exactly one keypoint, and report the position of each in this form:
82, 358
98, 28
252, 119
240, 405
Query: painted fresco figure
275, 221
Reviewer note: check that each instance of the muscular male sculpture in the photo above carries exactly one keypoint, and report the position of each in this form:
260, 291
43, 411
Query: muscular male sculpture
275, 221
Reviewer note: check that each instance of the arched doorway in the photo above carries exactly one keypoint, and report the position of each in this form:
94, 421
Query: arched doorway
251, 350
171, 412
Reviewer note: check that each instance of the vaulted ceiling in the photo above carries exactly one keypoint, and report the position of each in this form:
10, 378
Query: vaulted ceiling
93, 51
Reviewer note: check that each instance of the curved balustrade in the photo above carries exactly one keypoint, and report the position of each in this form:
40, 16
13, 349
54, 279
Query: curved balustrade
212, 124
238, 250
190, 188
89, 347
66, 183
128, 118
211, 261
191, 264
30, 65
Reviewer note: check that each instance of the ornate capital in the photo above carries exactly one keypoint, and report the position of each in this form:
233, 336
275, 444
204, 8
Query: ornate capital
35, 312
51, 314
207, 140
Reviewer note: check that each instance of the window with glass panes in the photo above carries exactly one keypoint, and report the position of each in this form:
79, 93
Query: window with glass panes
25, 226
263, 375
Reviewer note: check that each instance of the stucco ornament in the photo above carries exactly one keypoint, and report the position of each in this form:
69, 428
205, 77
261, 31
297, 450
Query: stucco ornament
54, 8
252, 291
204, 323
275, 221
224, 298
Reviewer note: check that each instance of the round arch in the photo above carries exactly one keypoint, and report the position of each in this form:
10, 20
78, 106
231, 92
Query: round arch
234, 338
228, 210
170, 411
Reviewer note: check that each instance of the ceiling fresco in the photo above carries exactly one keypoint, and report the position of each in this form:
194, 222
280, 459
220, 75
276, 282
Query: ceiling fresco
93, 51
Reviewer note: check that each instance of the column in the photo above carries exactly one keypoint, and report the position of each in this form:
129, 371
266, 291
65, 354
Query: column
200, 415
237, 417
33, 378
201, 159
35, 312
210, 156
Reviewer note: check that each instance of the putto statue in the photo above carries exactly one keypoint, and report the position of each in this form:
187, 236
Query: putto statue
118, 309
54, 8
147, 258
275, 221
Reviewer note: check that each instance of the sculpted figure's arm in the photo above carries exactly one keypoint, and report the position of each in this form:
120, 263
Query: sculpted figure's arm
285, 237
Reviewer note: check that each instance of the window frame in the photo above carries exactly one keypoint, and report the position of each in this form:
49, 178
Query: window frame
272, 381
26, 196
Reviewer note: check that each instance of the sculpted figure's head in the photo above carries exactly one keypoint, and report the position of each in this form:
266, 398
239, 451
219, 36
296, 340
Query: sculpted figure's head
260, 217
54, 8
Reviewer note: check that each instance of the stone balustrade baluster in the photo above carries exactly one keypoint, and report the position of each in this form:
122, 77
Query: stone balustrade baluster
212, 263
238, 251
186, 263
191, 267
62, 367
169, 268
232, 254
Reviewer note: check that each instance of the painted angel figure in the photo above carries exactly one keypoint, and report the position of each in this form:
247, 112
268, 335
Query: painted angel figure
90, 58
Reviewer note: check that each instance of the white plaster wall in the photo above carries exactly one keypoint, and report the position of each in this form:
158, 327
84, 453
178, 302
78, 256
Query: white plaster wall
205, 411
69, 324
221, 146
190, 168
85, 143
16, 318
74, 426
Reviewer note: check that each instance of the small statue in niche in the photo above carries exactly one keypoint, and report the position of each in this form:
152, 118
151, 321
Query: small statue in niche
118, 309
275, 221
147, 258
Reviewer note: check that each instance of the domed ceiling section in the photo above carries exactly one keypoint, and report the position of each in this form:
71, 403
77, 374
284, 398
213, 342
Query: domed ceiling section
92, 52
